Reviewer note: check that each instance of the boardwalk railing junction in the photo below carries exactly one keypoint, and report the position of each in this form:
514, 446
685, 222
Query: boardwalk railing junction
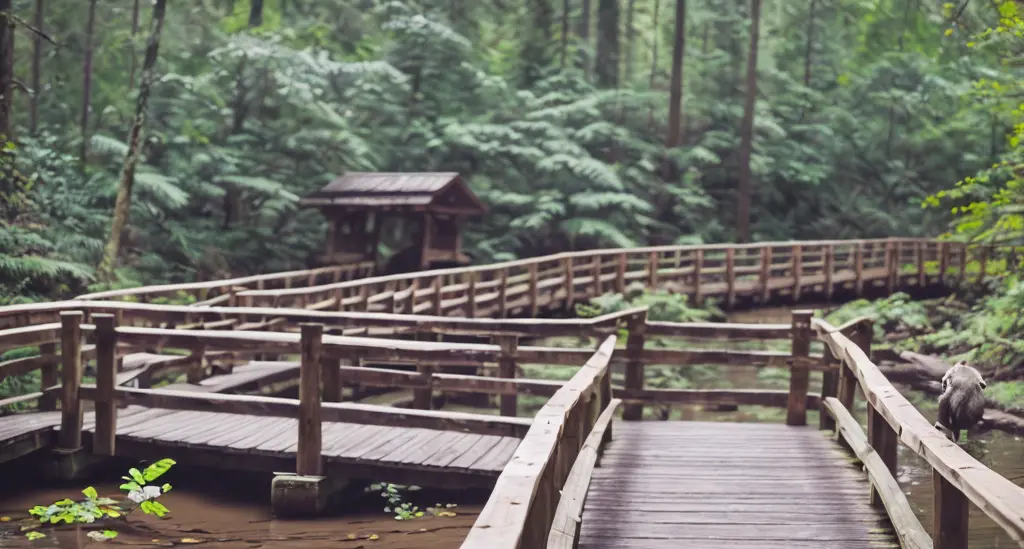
542, 469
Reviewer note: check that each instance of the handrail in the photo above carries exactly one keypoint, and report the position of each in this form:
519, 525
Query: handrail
957, 477
520, 511
287, 276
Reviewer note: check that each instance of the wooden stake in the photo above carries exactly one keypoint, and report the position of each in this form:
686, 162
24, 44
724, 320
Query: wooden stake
71, 380
307, 457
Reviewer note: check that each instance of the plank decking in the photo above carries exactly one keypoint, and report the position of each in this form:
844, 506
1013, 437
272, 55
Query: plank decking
701, 485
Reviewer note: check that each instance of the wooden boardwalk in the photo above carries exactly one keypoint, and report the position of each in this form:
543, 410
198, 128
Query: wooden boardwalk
703, 485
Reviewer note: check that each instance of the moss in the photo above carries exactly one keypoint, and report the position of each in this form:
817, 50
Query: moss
1007, 393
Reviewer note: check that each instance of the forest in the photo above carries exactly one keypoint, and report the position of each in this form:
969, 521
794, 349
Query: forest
149, 142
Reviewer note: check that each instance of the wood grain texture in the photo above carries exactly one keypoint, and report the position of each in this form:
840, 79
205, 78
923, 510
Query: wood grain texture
727, 485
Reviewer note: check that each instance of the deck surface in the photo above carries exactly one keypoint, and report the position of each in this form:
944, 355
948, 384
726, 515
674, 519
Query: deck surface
346, 443
702, 485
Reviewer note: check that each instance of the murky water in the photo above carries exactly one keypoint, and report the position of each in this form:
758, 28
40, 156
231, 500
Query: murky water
232, 511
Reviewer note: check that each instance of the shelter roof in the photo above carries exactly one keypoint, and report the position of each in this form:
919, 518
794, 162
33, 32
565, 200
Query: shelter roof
438, 191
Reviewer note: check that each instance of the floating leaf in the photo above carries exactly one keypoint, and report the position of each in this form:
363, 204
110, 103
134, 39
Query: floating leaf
373, 537
190, 540
90, 493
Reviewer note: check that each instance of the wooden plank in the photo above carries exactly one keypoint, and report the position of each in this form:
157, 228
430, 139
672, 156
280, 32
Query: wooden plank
912, 535
565, 528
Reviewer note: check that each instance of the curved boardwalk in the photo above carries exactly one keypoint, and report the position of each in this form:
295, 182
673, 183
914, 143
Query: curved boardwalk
704, 485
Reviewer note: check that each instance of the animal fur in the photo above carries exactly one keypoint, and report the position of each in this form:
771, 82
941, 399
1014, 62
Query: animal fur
962, 402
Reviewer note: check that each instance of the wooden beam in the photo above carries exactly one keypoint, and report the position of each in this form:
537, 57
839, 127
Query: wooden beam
308, 461
70, 437
106, 381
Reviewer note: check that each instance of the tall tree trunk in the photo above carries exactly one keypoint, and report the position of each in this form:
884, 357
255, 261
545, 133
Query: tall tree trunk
124, 190
538, 51
566, 8
607, 63
583, 56
6, 71
37, 62
675, 94
256, 14
132, 53
87, 81
745, 188
630, 41
654, 66
810, 44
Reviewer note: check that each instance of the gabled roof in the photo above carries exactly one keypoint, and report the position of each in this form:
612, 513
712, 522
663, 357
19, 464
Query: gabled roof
440, 191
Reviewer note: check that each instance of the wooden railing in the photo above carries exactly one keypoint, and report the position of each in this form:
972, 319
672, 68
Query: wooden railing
522, 506
753, 272
957, 477
216, 292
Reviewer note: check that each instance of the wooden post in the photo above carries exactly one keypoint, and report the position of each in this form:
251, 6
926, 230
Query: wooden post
637, 326
652, 269
508, 404
570, 284
596, 266
943, 261
503, 293
307, 456
534, 289
766, 273
858, 268
197, 368
830, 259
922, 274
951, 514
106, 380
48, 375
364, 298
471, 294
829, 388
698, 265
883, 440
422, 398
730, 277
437, 284
891, 266
798, 267
799, 376
620, 273
71, 379
331, 377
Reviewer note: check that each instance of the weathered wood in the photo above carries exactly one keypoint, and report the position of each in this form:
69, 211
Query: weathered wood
799, 376
49, 375
347, 412
951, 514
829, 388
718, 330
883, 441
503, 523
565, 527
713, 397
71, 379
508, 404
912, 535
106, 380
636, 327
307, 457
996, 496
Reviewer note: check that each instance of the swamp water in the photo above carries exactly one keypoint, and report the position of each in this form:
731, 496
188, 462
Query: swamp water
229, 510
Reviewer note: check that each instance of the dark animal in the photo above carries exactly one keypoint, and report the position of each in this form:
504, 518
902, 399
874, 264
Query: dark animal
962, 401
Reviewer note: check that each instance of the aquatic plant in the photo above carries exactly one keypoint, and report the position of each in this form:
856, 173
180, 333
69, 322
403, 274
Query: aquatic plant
138, 490
402, 509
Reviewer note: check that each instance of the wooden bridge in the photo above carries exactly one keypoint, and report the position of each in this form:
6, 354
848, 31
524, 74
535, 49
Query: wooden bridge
659, 484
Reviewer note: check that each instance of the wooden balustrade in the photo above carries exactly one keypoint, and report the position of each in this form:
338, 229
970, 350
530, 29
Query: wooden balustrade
957, 477
731, 272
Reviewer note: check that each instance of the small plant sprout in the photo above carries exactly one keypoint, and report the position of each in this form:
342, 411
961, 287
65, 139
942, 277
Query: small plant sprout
404, 510
95, 508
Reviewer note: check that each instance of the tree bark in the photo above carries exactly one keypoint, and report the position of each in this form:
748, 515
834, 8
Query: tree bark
675, 101
810, 44
537, 53
630, 40
6, 70
256, 14
583, 56
133, 56
654, 66
37, 62
87, 81
131, 161
745, 187
607, 66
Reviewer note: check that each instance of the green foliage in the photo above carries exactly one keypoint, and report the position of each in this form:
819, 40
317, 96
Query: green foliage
896, 313
93, 508
662, 305
402, 509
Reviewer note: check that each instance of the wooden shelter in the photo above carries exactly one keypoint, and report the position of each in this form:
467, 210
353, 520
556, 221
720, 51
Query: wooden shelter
357, 204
